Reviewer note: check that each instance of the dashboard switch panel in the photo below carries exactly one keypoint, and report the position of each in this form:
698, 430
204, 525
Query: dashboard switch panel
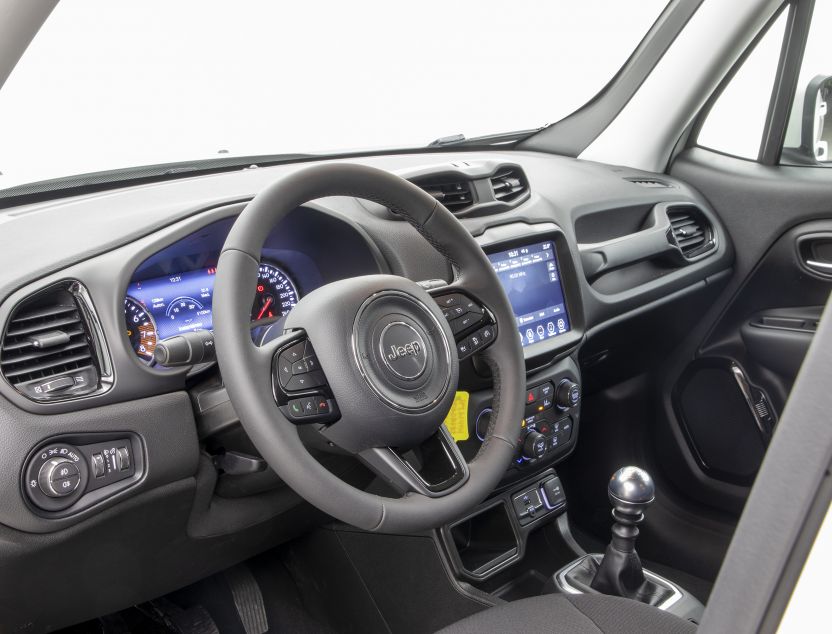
60, 475
538, 499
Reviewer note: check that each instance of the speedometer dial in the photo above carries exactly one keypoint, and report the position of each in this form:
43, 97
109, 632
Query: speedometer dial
276, 293
141, 329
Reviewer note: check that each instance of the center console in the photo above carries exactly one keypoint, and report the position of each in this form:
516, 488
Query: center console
534, 266
518, 542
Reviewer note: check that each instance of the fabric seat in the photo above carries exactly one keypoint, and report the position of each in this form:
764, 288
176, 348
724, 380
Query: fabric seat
572, 614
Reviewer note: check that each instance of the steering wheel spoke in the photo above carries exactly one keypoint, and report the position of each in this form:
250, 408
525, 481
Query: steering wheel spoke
472, 322
300, 387
434, 468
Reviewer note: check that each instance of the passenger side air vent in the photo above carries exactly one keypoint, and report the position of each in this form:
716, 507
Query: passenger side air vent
509, 184
690, 231
48, 350
453, 192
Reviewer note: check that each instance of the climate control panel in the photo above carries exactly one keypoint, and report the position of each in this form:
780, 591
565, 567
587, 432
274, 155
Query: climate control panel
548, 423
548, 430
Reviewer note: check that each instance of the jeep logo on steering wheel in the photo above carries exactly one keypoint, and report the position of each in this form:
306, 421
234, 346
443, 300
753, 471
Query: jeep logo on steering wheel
403, 350
412, 348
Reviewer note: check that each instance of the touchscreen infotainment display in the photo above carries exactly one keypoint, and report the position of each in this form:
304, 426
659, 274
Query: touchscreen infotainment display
530, 276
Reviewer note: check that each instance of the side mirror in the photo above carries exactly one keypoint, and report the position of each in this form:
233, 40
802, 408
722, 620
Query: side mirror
816, 128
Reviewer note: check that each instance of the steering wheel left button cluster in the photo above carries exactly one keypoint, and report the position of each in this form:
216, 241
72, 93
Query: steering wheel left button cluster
302, 391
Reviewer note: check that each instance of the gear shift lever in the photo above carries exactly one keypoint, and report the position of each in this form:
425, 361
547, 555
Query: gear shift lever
619, 571
631, 491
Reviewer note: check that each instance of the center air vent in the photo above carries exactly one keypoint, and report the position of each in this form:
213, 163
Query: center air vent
454, 193
509, 184
691, 231
48, 349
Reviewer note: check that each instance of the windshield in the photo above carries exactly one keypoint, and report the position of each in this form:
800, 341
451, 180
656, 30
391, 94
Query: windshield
107, 85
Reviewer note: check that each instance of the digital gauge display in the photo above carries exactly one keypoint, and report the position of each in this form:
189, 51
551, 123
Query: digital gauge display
162, 307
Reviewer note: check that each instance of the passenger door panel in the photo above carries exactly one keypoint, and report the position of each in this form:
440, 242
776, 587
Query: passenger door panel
734, 375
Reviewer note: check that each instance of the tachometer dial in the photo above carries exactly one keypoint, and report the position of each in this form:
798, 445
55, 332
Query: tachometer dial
141, 329
276, 293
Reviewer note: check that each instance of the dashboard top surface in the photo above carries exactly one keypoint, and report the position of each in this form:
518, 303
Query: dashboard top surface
74, 229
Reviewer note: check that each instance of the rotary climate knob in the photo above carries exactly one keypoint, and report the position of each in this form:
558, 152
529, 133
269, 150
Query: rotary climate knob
59, 477
568, 394
534, 445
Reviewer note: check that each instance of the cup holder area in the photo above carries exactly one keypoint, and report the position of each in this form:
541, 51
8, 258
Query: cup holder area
484, 541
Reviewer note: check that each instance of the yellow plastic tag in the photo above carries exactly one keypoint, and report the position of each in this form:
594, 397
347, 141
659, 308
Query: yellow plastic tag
457, 420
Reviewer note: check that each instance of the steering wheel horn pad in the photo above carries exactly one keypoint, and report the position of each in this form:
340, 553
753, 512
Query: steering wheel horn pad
403, 350
351, 322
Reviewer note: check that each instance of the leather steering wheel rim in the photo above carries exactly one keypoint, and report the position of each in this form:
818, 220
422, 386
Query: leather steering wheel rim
242, 363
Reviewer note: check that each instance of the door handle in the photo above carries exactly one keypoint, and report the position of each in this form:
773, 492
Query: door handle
818, 266
814, 253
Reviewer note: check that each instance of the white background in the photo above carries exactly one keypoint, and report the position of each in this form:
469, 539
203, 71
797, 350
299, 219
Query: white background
113, 83
116, 83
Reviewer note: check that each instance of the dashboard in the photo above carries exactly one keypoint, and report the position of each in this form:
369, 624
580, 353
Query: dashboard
583, 253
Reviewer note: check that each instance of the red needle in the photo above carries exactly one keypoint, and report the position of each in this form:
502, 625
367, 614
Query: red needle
265, 306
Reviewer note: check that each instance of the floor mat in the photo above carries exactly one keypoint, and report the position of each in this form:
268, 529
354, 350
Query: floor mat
255, 598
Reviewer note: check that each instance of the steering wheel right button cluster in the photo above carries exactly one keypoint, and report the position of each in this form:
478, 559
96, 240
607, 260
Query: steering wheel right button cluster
472, 325
301, 389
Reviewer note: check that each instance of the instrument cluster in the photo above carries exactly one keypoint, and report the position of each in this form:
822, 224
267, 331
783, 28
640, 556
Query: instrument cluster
161, 307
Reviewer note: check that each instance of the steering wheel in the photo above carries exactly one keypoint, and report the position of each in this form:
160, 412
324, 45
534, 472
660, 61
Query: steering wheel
378, 356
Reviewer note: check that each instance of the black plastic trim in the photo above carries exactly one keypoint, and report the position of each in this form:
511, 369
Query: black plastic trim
785, 83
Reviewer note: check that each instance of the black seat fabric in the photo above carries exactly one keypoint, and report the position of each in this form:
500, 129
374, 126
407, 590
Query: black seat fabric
572, 614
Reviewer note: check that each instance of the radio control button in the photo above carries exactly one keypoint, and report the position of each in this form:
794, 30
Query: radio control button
446, 301
294, 352
284, 371
323, 406
463, 348
299, 382
309, 405
471, 306
466, 321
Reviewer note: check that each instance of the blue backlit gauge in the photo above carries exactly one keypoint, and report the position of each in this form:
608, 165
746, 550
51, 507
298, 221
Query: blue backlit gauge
141, 329
276, 293
188, 314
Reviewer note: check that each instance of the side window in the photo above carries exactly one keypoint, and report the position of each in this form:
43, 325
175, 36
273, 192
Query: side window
809, 132
734, 125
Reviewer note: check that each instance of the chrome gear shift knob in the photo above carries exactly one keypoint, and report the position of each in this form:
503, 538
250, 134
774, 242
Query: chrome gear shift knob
631, 491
